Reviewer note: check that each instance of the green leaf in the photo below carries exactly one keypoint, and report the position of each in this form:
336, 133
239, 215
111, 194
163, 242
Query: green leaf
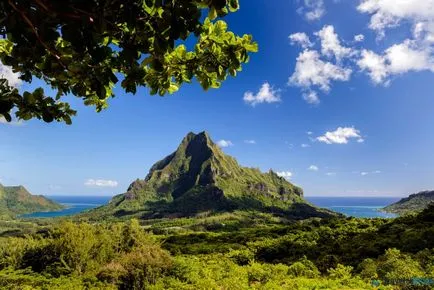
173, 88
212, 13
6, 46
139, 43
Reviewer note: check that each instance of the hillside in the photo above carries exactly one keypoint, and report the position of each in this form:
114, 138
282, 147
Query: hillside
15, 200
414, 203
199, 177
333, 254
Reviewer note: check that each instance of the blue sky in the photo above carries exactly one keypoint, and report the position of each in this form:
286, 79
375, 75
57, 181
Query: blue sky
337, 114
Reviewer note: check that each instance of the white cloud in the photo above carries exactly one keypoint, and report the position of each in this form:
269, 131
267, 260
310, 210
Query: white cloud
7, 73
250, 142
309, 133
305, 145
364, 173
313, 168
310, 71
317, 69
407, 56
415, 54
341, 135
331, 173
311, 97
331, 45
224, 143
300, 38
390, 13
424, 31
397, 59
285, 174
359, 38
313, 9
101, 183
266, 94
419, 30
374, 64
13, 81
11, 123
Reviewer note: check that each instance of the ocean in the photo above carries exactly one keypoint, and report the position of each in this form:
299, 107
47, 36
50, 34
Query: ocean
74, 205
364, 207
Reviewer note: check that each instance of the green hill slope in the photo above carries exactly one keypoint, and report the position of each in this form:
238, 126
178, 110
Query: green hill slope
414, 203
199, 177
15, 200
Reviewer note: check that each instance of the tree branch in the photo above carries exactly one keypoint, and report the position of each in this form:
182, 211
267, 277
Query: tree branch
30, 24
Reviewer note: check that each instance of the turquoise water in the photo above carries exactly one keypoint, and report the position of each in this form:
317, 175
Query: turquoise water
366, 207
74, 205
363, 207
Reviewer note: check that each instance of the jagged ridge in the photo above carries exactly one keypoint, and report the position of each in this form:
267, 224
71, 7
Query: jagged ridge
198, 176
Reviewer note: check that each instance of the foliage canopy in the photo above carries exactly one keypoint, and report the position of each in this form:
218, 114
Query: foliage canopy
85, 47
251, 251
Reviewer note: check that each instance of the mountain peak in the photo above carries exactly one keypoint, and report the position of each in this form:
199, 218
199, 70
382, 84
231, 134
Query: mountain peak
199, 176
201, 138
199, 162
191, 153
200, 134
188, 166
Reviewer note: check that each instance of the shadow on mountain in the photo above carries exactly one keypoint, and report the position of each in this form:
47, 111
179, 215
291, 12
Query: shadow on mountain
122, 213
212, 201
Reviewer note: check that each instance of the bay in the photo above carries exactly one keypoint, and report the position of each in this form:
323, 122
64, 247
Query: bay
363, 207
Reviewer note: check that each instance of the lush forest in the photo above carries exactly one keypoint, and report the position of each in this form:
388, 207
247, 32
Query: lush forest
198, 220
237, 250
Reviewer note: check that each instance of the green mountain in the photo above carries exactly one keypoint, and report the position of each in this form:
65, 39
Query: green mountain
414, 203
15, 200
199, 177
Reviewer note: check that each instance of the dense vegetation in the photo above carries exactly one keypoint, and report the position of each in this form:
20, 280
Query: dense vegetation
201, 221
15, 200
414, 203
239, 250
85, 48
199, 177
